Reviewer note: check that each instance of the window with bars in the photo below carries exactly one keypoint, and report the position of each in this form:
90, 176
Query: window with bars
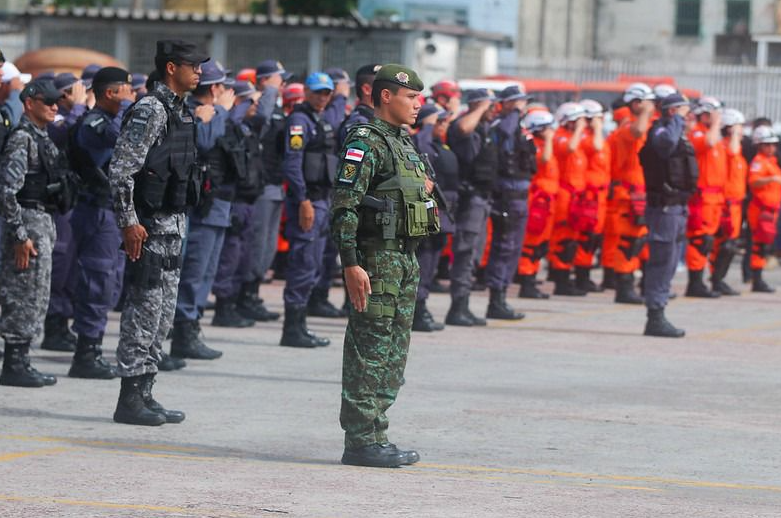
687, 17
738, 16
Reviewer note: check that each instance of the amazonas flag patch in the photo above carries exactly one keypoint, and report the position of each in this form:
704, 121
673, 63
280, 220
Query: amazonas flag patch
354, 154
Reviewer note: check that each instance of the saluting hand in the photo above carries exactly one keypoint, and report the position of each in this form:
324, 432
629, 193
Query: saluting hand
359, 287
134, 237
22, 253
226, 99
204, 112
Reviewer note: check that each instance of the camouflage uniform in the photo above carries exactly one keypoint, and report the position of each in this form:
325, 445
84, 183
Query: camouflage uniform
148, 312
377, 340
24, 294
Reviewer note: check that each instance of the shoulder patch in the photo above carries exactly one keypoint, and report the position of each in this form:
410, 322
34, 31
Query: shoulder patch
296, 142
362, 132
352, 162
138, 123
296, 129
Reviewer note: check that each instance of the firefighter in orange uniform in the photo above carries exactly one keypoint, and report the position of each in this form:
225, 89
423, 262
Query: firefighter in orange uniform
542, 195
764, 180
572, 186
726, 245
597, 184
609, 235
626, 208
706, 205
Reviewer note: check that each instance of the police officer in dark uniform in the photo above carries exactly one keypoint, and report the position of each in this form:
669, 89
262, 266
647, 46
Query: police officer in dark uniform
96, 235
670, 171
364, 110
517, 164
309, 166
469, 137
154, 181
432, 127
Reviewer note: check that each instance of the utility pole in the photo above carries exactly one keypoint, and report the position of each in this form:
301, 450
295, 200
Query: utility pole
272, 7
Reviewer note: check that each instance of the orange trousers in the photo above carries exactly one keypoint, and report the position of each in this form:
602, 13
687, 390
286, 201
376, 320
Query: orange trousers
534, 249
736, 216
563, 240
588, 243
702, 237
624, 240
758, 250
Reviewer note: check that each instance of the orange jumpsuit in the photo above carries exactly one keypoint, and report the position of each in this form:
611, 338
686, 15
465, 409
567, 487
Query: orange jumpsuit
706, 205
625, 229
542, 198
734, 194
572, 182
763, 208
597, 185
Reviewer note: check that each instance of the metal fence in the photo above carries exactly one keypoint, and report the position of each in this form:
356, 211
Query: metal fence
754, 91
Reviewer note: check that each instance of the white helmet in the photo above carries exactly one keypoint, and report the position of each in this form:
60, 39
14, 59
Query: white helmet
569, 112
662, 90
593, 108
764, 135
537, 120
707, 104
731, 116
639, 91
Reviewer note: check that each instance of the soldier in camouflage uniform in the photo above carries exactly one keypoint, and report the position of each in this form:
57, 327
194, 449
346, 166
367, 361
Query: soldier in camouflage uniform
153, 182
28, 176
382, 209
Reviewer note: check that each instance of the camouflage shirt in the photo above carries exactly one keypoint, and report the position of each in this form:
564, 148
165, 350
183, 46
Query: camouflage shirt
365, 161
145, 126
21, 155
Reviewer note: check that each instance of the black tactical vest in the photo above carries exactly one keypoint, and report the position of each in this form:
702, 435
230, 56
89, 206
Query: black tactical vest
483, 170
227, 162
273, 143
5, 128
672, 179
320, 158
94, 177
49, 182
170, 181
521, 162
445, 165
250, 186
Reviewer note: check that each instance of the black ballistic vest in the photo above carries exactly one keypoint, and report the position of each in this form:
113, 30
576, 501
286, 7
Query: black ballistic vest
320, 159
273, 142
49, 183
671, 180
445, 165
521, 162
94, 177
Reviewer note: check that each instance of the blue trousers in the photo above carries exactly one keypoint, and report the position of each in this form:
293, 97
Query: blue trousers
236, 256
428, 253
666, 237
63, 269
509, 229
305, 257
101, 267
470, 226
199, 267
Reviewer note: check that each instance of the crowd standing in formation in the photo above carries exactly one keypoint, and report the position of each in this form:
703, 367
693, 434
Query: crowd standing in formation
148, 194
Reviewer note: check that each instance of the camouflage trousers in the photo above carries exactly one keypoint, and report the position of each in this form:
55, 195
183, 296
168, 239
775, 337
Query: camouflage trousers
149, 308
24, 294
376, 345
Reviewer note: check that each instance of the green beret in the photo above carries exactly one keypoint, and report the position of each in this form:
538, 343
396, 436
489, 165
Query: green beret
400, 75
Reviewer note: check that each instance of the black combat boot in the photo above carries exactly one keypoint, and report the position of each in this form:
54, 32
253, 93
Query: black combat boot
321, 342
294, 332
17, 371
374, 456
167, 363
88, 361
320, 306
57, 336
608, 279
171, 416
658, 325
564, 285
625, 289
408, 456
438, 287
697, 288
460, 315
499, 309
583, 280
423, 320
131, 408
225, 314
758, 284
529, 288
250, 305
186, 342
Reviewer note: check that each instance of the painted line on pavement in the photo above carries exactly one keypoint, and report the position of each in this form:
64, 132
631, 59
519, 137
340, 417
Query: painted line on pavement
21, 454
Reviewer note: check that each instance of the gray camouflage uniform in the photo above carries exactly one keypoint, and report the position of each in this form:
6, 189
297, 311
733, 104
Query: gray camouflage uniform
148, 312
24, 294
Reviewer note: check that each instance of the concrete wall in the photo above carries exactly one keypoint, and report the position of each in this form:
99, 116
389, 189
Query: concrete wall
555, 28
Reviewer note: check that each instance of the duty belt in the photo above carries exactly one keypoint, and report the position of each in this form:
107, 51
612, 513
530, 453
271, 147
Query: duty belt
37, 205
406, 246
656, 199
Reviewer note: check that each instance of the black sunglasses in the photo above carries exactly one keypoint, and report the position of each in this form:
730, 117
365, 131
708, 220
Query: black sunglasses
47, 102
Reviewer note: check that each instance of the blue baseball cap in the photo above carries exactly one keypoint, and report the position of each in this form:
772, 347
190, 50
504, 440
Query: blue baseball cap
138, 81
269, 67
243, 89
339, 75
513, 93
429, 109
479, 94
88, 73
65, 80
319, 81
212, 73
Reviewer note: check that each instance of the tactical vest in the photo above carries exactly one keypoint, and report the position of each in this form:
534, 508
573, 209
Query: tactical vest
49, 183
249, 187
445, 165
320, 158
671, 180
5, 128
483, 170
94, 177
170, 181
521, 162
273, 141
397, 210
227, 162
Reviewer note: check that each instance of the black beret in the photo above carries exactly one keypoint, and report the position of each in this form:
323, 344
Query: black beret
180, 51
